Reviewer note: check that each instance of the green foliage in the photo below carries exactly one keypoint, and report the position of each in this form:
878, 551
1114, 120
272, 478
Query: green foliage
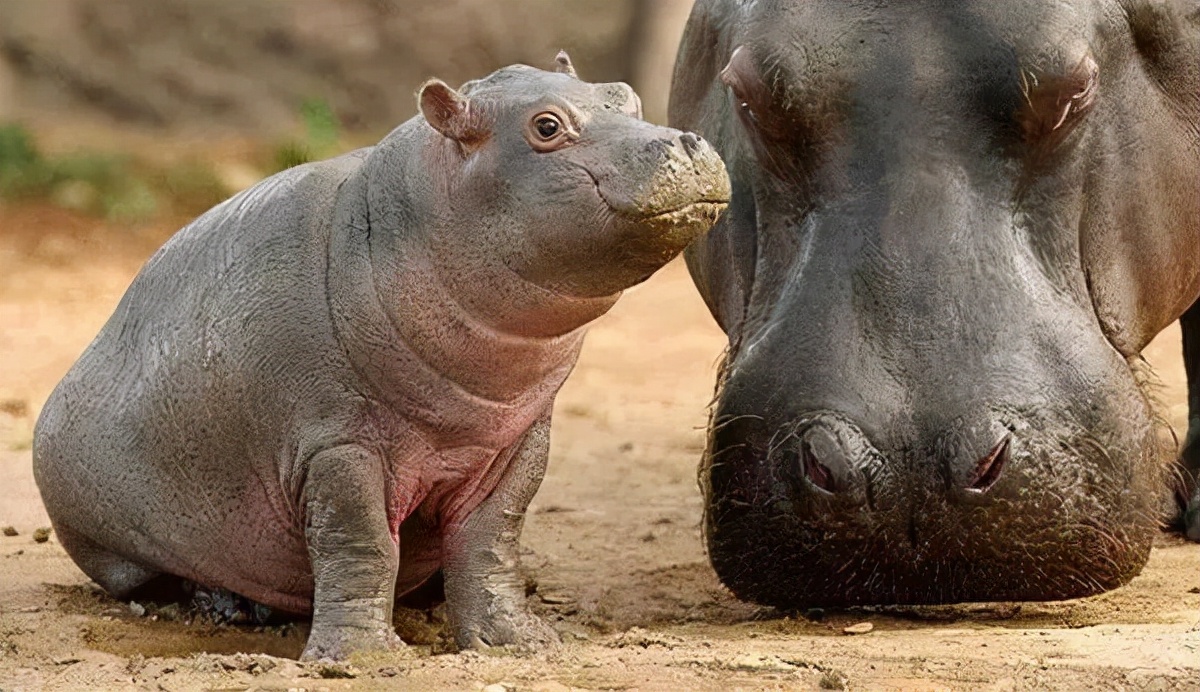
322, 135
193, 186
110, 185
21, 164
101, 184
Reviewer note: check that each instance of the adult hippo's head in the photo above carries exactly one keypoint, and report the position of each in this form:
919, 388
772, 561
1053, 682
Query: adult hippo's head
954, 227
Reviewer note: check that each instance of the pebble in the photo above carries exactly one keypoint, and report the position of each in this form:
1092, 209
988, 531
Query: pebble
41, 535
860, 628
10, 531
137, 609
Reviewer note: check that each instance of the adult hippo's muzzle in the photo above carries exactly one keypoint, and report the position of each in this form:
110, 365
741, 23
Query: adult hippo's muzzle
953, 228
1025, 503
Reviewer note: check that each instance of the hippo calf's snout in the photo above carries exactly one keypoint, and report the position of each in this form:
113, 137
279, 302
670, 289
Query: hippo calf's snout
683, 172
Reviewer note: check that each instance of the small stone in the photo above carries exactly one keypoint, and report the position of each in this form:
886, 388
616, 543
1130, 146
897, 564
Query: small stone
66, 660
41, 535
1194, 589
137, 609
860, 628
10, 531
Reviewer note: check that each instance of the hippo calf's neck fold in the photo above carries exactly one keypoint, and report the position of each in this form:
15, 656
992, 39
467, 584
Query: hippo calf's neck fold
339, 382
954, 226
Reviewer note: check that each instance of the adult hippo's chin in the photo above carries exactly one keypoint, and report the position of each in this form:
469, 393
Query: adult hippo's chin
954, 227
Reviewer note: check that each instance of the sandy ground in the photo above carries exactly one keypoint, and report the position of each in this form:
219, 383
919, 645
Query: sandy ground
613, 542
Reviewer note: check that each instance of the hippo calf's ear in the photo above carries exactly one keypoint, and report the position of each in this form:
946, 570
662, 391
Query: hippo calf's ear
562, 64
449, 112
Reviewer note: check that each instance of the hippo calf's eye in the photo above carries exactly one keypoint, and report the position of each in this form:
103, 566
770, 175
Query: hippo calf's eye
548, 131
548, 126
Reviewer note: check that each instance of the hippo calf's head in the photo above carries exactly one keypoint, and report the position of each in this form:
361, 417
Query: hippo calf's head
954, 226
578, 194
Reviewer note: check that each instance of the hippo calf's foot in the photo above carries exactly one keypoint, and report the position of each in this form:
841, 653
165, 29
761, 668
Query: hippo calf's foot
337, 635
484, 590
513, 628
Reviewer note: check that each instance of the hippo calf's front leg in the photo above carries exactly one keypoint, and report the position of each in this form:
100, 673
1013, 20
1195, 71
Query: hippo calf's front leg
485, 593
354, 557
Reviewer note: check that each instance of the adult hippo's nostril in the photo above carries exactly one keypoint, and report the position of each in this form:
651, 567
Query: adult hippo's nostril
831, 458
820, 453
989, 468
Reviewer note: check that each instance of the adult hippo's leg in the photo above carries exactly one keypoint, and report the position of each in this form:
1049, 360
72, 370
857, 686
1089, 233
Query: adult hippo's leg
1190, 457
484, 591
354, 558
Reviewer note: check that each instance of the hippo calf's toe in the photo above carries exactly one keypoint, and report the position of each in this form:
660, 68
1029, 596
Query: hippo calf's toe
339, 382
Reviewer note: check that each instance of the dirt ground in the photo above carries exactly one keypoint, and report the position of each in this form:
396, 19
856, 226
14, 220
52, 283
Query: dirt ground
613, 541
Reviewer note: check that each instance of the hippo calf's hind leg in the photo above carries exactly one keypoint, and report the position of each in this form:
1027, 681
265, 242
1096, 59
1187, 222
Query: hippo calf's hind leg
119, 576
485, 594
1190, 456
354, 558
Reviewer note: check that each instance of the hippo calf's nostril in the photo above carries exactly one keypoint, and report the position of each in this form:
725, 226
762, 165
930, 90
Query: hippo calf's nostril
989, 468
691, 144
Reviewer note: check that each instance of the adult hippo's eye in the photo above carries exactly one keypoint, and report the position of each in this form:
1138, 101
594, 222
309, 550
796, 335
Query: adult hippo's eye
547, 125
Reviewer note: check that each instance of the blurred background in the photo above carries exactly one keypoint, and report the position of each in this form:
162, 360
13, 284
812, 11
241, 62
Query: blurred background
256, 86
121, 120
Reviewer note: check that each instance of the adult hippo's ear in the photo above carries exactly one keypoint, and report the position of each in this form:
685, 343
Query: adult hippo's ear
449, 112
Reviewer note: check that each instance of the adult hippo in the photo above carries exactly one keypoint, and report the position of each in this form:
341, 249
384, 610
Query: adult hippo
954, 227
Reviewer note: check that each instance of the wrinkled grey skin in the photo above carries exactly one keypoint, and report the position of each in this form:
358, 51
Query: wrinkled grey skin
954, 227
339, 382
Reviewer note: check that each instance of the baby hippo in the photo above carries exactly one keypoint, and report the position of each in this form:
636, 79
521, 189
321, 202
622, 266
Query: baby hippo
339, 382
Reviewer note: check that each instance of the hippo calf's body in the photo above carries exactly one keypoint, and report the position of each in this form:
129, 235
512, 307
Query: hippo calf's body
954, 227
339, 382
